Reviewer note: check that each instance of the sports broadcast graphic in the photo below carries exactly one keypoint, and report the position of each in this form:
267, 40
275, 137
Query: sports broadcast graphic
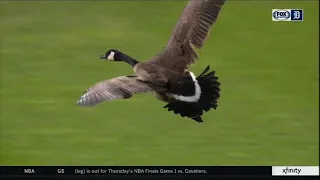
287, 14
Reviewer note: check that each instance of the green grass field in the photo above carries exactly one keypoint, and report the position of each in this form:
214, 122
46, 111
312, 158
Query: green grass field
267, 115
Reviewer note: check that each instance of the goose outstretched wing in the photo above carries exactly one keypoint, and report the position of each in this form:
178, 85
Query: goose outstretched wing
122, 87
190, 32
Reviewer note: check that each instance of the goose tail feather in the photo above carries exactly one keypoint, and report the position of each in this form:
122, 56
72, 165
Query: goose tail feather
193, 106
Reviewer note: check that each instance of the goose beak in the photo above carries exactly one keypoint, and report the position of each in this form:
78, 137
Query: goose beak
103, 57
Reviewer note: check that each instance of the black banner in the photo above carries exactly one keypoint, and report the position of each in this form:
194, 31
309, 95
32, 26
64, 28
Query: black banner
137, 170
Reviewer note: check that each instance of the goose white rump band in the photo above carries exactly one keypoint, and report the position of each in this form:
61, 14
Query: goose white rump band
196, 95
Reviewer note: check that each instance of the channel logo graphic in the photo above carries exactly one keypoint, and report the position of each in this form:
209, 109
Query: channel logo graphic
287, 14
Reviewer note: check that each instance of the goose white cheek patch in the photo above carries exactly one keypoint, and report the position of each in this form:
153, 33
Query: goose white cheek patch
111, 56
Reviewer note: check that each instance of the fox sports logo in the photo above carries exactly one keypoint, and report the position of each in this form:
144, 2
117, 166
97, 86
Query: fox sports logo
281, 14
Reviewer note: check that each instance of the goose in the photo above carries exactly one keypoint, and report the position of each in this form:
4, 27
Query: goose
166, 75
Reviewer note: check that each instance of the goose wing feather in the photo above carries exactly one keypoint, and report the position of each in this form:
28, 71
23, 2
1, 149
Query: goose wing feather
122, 87
190, 32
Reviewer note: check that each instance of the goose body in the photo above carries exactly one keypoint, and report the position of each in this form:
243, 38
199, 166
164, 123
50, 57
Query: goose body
167, 73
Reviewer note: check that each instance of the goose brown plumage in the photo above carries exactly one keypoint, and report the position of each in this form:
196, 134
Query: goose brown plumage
167, 74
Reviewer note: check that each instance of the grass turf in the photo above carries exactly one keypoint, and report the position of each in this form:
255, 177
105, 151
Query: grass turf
267, 115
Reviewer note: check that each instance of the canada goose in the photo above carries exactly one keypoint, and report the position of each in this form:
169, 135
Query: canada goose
167, 73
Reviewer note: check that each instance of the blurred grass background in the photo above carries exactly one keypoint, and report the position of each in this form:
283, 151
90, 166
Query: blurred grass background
267, 115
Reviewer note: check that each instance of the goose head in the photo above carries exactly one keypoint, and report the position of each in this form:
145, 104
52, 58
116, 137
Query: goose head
112, 55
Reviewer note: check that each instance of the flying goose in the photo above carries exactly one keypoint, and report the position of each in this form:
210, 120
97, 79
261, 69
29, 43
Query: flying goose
166, 75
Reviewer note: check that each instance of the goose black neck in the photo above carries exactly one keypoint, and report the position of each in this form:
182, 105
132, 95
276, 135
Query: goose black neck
128, 59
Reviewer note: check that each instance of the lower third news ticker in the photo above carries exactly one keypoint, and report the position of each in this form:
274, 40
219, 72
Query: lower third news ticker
161, 170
